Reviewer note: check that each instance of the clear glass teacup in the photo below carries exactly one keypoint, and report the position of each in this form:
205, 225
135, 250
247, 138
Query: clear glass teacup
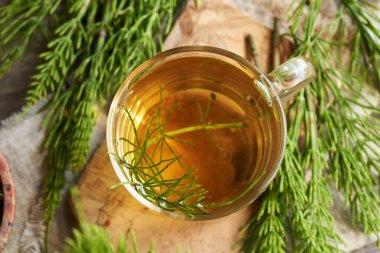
198, 132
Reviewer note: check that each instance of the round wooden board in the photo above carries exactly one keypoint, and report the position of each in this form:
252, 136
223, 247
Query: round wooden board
214, 23
119, 212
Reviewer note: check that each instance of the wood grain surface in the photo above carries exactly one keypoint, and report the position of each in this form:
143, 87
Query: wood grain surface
118, 212
15, 84
213, 23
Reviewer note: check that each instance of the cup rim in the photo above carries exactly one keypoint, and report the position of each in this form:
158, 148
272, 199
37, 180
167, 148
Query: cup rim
183, 52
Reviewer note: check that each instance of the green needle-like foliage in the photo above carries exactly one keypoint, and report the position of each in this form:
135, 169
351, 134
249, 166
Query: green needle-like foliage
266, 232
59, 57
93, 46
333, 124
365, 57
333, 137
146, 169
19, 22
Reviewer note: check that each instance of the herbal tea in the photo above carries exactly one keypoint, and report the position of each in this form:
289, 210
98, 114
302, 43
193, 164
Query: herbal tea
190, 140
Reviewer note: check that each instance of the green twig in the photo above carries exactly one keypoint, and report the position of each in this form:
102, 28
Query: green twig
182, 194
196, 128
254, 55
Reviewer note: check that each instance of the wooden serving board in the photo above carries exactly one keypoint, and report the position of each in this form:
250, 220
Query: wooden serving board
213, 23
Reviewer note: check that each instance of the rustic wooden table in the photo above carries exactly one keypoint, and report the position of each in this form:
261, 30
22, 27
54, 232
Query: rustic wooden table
14, 85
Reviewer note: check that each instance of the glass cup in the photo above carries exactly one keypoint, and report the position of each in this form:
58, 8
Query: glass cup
240, 88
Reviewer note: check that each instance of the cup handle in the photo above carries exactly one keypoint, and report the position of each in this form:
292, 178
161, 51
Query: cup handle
292, 76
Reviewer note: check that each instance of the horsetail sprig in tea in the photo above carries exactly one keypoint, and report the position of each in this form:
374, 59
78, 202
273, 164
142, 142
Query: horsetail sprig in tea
181, 194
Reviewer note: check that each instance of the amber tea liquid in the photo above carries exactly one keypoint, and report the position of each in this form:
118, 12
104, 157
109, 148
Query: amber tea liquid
200, 89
